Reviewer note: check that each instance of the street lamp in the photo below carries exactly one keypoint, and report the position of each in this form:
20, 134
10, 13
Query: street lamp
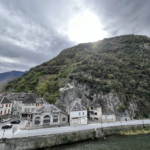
101, 124
143, 122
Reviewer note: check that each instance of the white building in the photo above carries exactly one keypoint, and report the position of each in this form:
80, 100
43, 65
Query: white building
108, 116
28, 107
5, 107
77, 114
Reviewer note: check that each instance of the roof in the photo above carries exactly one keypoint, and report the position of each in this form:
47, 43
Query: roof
4, 100
30, 99
40, 100
95, 104
77, 107
108, 112
50, 107
125, 113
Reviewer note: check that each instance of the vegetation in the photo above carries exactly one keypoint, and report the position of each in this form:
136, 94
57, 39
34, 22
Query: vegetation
136, 131
120, 65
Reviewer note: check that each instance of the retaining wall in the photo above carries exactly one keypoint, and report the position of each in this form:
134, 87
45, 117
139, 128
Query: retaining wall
34, 142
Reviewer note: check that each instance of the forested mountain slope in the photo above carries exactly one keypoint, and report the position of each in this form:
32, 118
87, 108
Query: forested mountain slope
119, 65
9, 76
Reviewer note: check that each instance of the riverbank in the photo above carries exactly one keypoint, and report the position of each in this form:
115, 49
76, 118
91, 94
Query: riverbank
113, 142
59, 139
136, 131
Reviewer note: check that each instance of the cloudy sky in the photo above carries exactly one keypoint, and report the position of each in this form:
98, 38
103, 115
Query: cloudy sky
35, 31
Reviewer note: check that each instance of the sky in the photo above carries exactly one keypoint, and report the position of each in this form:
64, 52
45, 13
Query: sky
35, 31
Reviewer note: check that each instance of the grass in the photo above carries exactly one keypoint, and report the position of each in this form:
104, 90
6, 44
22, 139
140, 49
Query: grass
135, 132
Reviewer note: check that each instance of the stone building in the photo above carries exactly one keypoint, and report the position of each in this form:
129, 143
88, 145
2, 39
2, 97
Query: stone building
125, 116
95, 112
108, 116
49, 115
40, 102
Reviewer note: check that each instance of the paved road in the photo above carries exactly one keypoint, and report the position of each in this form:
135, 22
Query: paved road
45, 131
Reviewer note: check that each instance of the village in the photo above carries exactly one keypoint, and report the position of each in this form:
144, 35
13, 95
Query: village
35, 112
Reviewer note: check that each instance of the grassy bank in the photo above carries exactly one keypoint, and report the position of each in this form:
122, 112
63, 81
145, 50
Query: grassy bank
135, 131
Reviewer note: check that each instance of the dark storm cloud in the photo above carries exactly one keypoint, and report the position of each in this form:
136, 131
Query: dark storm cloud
34, 31
123, 16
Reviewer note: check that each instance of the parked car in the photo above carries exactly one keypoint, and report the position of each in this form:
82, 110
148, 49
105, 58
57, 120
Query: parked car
15, 122
8, 126
5, 120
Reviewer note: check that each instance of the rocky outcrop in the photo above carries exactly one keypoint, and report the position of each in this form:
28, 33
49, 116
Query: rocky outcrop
73, 90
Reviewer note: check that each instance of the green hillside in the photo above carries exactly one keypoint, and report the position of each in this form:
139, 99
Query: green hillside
120, 64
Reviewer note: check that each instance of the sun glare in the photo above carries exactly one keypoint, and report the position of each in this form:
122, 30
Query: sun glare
86, 27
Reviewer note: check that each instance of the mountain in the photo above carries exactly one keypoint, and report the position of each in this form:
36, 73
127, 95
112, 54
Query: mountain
114, 71
9, 76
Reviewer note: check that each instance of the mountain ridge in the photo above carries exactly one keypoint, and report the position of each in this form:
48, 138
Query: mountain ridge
9, 76
118, 65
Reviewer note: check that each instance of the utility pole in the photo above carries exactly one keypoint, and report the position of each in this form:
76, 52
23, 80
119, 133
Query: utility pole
3, 133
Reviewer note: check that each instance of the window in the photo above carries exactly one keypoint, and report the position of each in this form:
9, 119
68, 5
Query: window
37, 120
91, 107
95, 113
1, 112
95, 118
46, 119
55, 119
63, 119
6, 105
9, 105
32, 109
95, 108
8, 110
2, 106
83, 113
5, 111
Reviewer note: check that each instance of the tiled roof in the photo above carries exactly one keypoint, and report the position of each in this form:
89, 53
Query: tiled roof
51, 107
4, 100
40, 100
108, 112
77, 107
95, 104
31, 99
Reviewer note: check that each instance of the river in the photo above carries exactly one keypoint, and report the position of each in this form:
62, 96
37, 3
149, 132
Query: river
138, 142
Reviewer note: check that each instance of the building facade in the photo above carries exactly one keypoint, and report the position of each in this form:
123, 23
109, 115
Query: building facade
5, 107
78, 114
28, 107
49, 115
95, 112
108, 117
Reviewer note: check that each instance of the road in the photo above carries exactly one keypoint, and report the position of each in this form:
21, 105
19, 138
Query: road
45, 131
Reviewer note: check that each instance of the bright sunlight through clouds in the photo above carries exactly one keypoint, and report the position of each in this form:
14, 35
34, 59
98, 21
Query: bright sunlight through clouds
86, 27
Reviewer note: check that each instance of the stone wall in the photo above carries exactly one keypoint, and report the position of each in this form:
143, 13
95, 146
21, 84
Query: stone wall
50, 140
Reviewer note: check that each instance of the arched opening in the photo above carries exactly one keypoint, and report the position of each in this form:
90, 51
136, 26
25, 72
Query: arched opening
46, 119
37, 120
126, 119
55, 119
